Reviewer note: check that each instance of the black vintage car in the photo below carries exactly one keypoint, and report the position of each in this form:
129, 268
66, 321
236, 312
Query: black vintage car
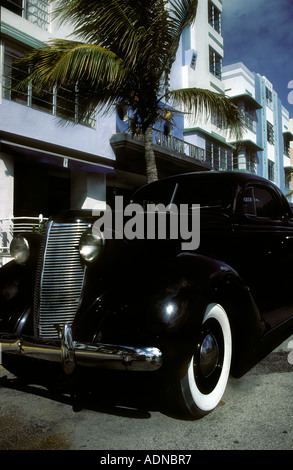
185, 313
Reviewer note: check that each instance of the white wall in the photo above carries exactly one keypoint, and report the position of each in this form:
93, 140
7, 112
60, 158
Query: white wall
238, 80
6, 184
22, 120
88, 190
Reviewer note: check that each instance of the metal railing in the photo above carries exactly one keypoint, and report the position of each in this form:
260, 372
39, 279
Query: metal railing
58, 101
174, 144
218, 158
178, 145
245, 163
250, 122
10, 226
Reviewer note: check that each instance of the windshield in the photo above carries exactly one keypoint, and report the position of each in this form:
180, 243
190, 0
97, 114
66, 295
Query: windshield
207, 195
214, 194
158, 193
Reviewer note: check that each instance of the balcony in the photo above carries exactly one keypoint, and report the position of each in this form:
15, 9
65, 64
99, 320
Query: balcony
245, 162
173, 155
55, 101
179, 146
249, 121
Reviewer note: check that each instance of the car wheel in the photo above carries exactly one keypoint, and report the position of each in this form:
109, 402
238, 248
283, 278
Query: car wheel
204, 383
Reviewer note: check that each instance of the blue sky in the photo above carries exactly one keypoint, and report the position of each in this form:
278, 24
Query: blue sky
259, 33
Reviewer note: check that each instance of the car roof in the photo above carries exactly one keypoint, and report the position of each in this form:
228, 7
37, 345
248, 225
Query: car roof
232, 177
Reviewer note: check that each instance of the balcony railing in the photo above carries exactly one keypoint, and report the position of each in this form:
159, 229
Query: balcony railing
56, 101
178, 145
250, 122
214, 157
10, 226
245, 163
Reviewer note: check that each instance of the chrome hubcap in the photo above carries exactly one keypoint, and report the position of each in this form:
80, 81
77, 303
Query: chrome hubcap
209, 355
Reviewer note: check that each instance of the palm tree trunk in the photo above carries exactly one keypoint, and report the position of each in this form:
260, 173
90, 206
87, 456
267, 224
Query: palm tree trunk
150, 159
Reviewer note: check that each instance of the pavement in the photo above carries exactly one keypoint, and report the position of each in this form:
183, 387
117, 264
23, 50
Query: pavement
256, 413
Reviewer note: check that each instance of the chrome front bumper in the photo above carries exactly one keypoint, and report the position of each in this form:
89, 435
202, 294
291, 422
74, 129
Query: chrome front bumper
71, 353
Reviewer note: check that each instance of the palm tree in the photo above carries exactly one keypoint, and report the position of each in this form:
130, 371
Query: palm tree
123, 55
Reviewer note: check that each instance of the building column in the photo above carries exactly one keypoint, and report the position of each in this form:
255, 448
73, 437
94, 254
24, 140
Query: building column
7, 203
88, 190
6, 184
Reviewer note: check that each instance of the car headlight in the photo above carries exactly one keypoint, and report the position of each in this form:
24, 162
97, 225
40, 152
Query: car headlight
20, 249
90, 245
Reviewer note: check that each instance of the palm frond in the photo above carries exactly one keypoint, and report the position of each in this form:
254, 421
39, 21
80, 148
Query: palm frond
63, 62
92, 20
200, 102
127, 47
181, 14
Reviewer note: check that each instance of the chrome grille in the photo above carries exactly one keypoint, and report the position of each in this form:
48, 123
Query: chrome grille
60, 278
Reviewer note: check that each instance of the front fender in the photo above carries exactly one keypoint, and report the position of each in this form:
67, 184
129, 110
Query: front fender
165, 306
16, 297
151, 301
182, 292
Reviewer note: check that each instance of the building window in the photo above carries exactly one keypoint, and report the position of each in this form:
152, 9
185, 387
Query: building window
13, 5
250, 120
40, 99
270, 133
10, 80
251, 161
60, 101
269, 98
216, 120
286, 147
35, 11
223, 159
215, 64
271, 170
218, 157
214, 17
288, 176
245, 160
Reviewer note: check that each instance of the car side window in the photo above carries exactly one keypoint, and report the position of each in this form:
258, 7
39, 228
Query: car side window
248, 203
261, 203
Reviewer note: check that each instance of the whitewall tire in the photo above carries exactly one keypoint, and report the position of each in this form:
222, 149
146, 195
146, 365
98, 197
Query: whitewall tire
204, 384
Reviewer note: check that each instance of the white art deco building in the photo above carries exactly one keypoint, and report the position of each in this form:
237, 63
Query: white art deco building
45, 166
265, 148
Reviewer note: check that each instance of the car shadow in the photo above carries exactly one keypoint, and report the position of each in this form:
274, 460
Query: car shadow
131, 397
123, 399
